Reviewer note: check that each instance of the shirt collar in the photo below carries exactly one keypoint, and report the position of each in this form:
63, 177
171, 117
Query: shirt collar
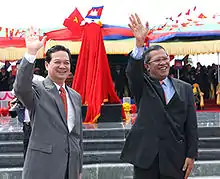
166, 81
58, 86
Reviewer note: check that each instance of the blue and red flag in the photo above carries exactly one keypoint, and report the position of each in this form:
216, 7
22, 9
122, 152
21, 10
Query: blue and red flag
95, 12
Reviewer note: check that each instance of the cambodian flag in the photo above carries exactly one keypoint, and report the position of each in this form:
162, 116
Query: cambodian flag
95, 12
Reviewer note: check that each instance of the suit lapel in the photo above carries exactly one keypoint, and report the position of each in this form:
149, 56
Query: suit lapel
158, 89
50, 87
155, 88
177, 87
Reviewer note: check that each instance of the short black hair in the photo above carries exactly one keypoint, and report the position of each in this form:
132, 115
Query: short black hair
54, 49
146, 54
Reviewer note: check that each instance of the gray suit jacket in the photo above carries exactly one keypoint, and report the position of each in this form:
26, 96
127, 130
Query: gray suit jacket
52, 150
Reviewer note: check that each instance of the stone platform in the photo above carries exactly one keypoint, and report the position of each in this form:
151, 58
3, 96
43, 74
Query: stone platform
103, 143
202, 170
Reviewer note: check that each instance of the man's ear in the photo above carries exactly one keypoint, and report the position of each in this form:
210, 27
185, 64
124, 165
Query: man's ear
46, 65
147, 67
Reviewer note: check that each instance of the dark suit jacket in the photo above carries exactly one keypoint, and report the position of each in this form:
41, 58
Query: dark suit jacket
53, 150
155, 131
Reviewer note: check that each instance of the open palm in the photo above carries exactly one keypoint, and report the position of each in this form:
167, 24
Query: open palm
140, 32
33, 42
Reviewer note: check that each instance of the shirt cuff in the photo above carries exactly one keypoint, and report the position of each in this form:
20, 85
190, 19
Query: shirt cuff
137, 53
30, 58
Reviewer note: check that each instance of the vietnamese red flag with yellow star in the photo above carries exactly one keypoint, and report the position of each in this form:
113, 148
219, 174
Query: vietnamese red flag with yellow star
73, 21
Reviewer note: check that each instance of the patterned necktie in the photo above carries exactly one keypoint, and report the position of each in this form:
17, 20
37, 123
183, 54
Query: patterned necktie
64, 99
163, 85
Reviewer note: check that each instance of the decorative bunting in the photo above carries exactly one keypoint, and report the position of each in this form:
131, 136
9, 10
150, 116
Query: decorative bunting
6, 32
11, 34
17, 32
202, 16
179, 14
188, 12
194, 8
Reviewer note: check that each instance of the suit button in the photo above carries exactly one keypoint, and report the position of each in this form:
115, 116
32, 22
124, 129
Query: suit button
161, 138
66, 150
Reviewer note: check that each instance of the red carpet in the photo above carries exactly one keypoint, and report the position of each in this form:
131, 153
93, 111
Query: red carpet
210, 106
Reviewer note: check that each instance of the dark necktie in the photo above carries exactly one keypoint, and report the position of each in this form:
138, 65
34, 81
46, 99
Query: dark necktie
162, 83
64, 99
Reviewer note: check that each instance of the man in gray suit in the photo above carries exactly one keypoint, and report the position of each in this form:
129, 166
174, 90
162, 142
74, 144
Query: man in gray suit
55, 146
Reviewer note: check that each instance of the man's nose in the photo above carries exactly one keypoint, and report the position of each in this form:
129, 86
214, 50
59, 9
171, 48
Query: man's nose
163, 62
62, 65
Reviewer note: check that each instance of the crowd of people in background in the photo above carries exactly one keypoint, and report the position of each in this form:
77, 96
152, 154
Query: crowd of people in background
7, 76
205, 76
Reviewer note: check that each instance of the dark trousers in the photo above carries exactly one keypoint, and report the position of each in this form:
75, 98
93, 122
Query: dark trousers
151, 173
26, 136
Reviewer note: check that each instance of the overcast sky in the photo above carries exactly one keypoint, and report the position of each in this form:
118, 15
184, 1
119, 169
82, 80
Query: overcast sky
51, 13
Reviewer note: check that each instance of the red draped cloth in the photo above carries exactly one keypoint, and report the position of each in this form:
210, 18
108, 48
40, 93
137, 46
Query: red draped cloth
92, 77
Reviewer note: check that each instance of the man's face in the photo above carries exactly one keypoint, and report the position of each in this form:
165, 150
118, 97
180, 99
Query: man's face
159, 64
59, 67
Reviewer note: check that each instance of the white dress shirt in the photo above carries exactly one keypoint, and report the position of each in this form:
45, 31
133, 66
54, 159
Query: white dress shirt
70, 109
168, 89
26, 116
137, 53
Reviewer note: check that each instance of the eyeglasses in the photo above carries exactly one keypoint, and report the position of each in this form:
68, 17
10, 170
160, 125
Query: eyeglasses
160, 60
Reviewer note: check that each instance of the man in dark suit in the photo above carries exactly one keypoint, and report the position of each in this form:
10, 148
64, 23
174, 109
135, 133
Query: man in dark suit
55, 145
162, 143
